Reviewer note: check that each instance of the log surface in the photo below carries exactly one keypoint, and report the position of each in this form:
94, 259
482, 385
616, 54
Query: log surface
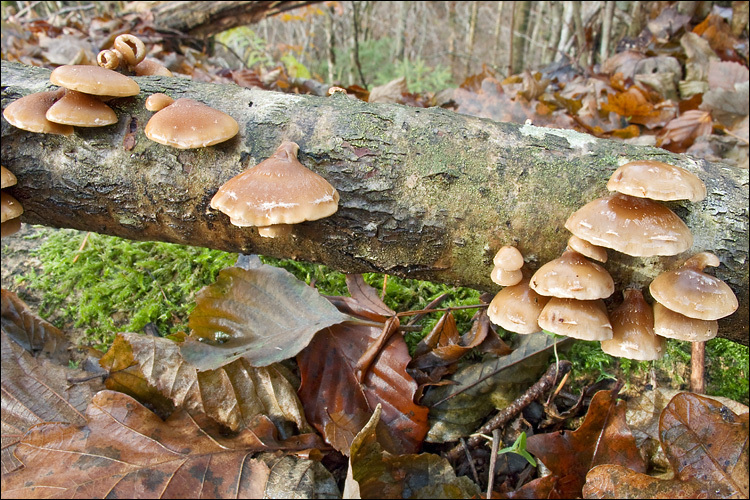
425, 193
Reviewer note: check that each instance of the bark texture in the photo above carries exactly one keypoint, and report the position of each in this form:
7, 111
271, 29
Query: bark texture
425, 193
207, 18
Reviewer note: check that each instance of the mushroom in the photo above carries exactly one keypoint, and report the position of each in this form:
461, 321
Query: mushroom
276, 192
157, 102
573, 276
657, 180
10, 208
580, 319
516, 308
7, 177
674, 325
81, 110
94, 80
149, 67
29, 113
633, 334
508, 263
187, 124
109, 59
693, 293
131, 47
589, 250
9, 227
635, 226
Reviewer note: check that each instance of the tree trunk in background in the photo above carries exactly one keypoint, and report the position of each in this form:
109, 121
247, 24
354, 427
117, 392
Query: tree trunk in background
453, 40
520, 25
567, 27
425, 193
470, 37
203, 19
331, 39
498, 33
607, 16
636, 23
555, 31
400, 38
580, 37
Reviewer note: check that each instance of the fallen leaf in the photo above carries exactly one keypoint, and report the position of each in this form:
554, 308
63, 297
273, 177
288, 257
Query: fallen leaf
263, 314
125, 451
680, 133
30, 331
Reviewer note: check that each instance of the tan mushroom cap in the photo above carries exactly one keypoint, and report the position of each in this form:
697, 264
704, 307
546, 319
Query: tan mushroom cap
516, 308
635, 226
674, 325
580, 319
657, 180
587, 249
7, 177
131, 47
187, 124
278, 190
506, 278
573, 276
508, 258
81, 110
149, 67
633, 334
10, 208
94, 80
29, 113
157, 102
9, 227
693, 293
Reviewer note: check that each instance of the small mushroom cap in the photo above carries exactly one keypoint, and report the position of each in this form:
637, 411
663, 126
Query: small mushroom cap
9, 227
131, 47
10, 207
278, 190
580, 319
674, 325
508, 258
29, 113
587, 249
693, 293
81, 110
187, 124
94, 80
157, 102
506, 278
657, 180
8, 179
635, 226
572, 276
516, 308
149, 67
633, 334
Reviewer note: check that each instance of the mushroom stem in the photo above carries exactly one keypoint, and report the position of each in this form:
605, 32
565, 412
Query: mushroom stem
698, 368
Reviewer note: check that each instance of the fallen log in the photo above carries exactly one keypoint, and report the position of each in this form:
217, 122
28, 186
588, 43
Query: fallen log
425, 193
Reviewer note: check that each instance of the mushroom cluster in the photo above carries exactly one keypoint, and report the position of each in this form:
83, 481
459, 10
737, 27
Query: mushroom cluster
129, 52
11, 208
275, 193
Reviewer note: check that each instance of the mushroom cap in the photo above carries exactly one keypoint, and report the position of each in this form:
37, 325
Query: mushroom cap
516, 308
674, 325
588, 249
278, 190
131, 47
187, 124
149, 67
81, 110
9, 227
94, 80
580, 319
29, 113
506, 278
157, 102
9, 207
508, 258
633, 334
657, 180
7, 177
635, 226
573, 276
693, 293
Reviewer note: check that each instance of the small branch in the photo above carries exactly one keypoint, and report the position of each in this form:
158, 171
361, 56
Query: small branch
698, 368
493, 460
504, 416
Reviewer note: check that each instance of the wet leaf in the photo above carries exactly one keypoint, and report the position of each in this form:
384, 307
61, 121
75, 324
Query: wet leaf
263, 314
30, 331
151, 369
125, 451
603, 438
339, 405
380, 474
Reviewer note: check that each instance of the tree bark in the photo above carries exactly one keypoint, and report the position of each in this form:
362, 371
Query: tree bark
201, 19
425, 193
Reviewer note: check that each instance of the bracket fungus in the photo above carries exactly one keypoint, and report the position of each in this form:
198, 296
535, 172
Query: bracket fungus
633, 333
30, 113
188, 124
658, 181
516, 308
580, 319
94, 80
275, 193
572, 276
81, 110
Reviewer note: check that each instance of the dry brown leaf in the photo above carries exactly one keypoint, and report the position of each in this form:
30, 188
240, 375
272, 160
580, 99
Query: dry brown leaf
680, 133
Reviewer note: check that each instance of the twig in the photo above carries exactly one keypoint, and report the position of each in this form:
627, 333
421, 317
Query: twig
80, 249
505, 415
493, 459
471, 461
698, 368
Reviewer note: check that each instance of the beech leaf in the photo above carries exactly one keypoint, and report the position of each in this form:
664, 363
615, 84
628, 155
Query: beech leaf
126, 451
263, 314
